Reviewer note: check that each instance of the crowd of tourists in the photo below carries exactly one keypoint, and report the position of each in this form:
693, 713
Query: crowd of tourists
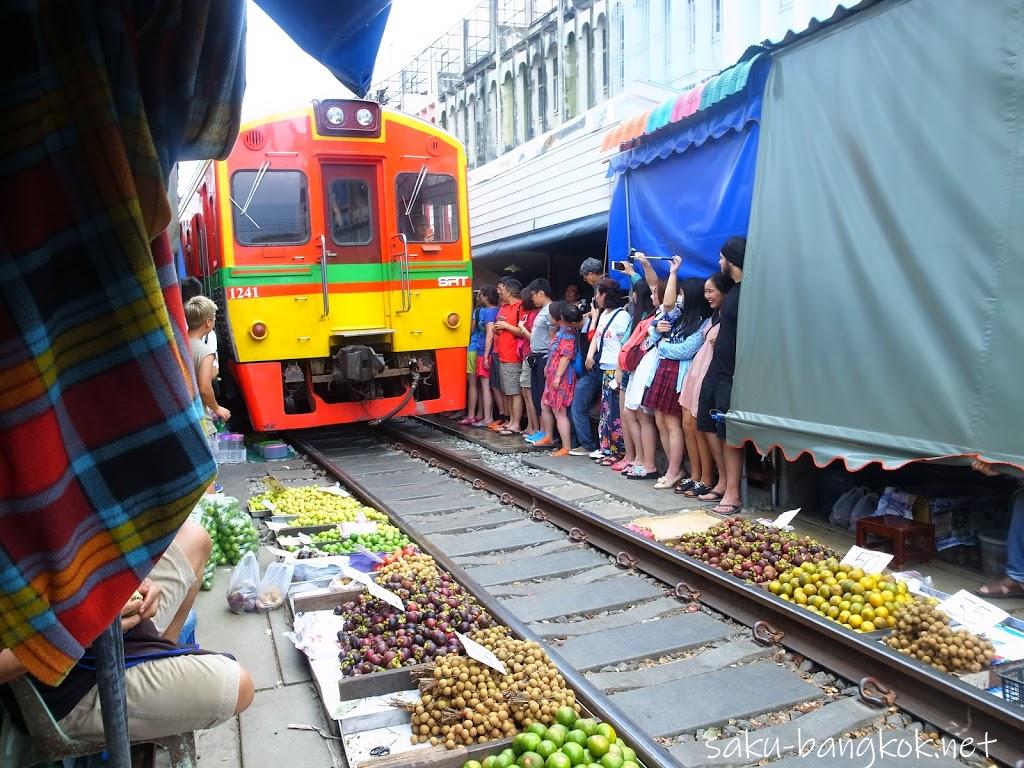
658, 359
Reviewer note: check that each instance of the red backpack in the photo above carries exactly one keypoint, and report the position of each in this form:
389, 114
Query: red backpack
636, 346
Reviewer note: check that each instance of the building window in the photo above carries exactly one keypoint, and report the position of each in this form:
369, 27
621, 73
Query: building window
604, 59
716, 19
570, 74
350, 212
667, 14
554, 83
620, 32
426, 207
508, 115
542, 96
270, 207
589, 40
691, 24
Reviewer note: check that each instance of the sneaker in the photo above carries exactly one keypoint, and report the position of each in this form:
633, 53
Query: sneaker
535, 436
580, 451
597, 454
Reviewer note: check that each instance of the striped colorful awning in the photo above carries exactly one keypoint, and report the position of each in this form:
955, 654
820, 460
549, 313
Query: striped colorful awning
693, 100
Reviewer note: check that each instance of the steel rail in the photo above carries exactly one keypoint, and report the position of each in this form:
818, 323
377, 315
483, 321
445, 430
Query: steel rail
953, 706
651, 753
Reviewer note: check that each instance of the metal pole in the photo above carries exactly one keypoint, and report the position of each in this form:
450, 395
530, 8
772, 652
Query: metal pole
629, 234
108, 651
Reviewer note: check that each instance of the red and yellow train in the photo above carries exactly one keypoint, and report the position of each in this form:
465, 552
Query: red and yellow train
335, 241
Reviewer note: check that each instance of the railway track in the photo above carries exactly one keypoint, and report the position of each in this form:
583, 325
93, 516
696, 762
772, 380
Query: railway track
702, 669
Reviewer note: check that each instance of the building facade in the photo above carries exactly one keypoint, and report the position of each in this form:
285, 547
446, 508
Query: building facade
530, 91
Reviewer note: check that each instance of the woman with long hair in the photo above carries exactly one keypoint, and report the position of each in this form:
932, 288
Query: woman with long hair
560, 376
701, 482
679, 333
604, 354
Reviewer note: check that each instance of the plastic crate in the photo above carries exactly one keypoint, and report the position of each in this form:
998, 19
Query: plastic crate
1012, 676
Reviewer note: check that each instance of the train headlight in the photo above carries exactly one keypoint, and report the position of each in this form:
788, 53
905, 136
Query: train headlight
364, 117
453, 320
258, 331
336, 116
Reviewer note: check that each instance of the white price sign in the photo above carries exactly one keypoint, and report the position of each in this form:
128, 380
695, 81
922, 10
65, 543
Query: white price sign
363, 526
782, 521
268, 504
373, 588
336, 490
971, 611
867, 560
304, 538
476, 651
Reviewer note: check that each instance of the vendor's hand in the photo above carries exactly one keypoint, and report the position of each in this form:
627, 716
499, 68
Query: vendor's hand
663, 326
984, 467
222, 413
130, 616
150, 592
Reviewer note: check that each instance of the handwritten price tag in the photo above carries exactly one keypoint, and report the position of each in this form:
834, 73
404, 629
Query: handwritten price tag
373, 588
336, 490
476, 651
867, 560
971, 611
273, 484
364, 526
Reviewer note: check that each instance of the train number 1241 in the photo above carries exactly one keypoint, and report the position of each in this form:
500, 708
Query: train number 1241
248, 292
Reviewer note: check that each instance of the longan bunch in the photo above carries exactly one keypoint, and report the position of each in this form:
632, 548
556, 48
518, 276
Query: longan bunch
464, 701
922, 631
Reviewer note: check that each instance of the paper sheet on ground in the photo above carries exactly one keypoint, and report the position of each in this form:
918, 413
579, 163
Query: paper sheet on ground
667, 527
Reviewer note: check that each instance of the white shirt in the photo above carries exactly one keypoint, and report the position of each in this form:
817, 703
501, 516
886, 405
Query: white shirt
611, 327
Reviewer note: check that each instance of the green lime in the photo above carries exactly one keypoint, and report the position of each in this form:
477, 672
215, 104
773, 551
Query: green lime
607, 731
538, 727
587, 724
576, 736
611, 761
502, 761
471, 764
546, 748
555, 735
574, 752
628, 754
531, 760
597, 744
565, 716
558, 760
528, 741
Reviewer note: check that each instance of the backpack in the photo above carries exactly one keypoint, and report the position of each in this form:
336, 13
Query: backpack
636, 346
580, 363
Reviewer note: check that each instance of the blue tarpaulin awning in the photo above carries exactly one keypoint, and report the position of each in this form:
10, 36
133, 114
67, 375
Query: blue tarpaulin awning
344, 37
687, 187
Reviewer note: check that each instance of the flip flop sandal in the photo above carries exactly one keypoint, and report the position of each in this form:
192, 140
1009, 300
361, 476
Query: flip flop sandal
1008, 589
697, 490
685, 485
727, 509
715, 496
609, 461
620, 465
509, 432
639, 473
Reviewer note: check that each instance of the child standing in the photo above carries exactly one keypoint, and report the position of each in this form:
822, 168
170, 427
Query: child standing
560, 378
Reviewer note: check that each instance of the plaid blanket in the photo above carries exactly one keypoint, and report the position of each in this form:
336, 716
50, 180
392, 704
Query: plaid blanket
101, 453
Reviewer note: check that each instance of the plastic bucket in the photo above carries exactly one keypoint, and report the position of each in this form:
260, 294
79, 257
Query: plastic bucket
993, 553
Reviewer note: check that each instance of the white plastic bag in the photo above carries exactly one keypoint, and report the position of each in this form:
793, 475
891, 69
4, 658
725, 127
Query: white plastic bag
844, 505
274, 586
245, 580
863, 508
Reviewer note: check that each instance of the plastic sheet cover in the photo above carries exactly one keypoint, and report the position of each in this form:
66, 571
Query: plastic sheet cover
883, 302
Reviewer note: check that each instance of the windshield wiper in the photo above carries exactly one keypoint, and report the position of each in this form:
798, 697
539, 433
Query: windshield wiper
416, 191
244, 209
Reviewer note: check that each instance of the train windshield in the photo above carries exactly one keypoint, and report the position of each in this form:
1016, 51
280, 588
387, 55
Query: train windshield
427, 207
270, 207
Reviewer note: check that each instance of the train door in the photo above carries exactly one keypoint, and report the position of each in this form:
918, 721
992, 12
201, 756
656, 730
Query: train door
351, 246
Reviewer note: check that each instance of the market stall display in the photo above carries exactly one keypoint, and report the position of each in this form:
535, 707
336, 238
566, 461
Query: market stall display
232, 531
858, 601
313, 505
923, 632
465, 701
384, 537
752, 551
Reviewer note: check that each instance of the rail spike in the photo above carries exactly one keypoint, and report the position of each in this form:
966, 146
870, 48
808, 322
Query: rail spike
479, 485
506, 499
766, 634
578, 535
433, 463
690, 594
455, 472
539, 515
626, 560
873, 692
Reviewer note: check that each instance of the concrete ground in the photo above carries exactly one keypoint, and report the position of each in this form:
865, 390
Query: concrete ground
260, 737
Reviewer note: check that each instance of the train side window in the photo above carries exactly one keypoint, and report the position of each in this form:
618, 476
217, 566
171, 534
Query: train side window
351, 221
428, 213
270, 207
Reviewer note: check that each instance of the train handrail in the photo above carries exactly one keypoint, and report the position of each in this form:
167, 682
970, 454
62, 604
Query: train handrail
323, 275
404, 274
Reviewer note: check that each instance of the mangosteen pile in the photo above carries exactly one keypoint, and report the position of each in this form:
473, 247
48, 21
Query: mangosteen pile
376, 636
751, 551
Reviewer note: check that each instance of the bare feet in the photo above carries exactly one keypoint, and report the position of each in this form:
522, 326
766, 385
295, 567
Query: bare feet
1004, 588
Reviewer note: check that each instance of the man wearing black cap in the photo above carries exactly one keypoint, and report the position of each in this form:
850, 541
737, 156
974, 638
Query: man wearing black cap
716, 390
